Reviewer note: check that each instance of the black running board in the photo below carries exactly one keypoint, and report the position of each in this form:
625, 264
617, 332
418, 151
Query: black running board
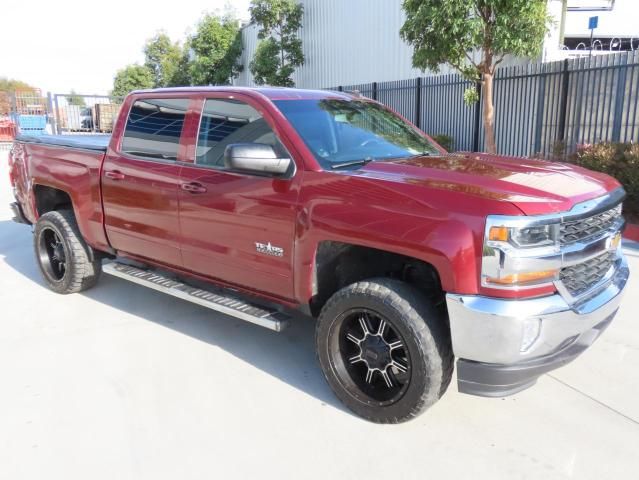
218, 300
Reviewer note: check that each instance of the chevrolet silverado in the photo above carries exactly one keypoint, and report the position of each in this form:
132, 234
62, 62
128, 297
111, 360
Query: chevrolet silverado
263, 203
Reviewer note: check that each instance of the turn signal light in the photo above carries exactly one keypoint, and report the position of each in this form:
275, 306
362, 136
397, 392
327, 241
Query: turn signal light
525, 278
498, 234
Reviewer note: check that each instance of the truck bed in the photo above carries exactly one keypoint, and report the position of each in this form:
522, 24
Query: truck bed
96, 142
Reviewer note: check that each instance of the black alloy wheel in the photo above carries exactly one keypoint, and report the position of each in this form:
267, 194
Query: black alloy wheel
52, 254
67, 263
385, 349
373, 355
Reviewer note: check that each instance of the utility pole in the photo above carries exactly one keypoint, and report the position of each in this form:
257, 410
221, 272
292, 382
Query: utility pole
592, 24
562, 24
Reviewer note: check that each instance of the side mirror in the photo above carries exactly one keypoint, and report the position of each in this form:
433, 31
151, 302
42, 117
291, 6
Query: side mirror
255, 157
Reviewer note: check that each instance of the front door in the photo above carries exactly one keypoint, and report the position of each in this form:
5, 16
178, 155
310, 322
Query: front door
237, 227
140, 182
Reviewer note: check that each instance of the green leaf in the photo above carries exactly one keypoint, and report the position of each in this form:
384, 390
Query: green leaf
280, 49
471, 96
216, 47
472, 36
132, 77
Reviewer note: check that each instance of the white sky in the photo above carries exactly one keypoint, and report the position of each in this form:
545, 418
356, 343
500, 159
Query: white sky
621, 21
80, 44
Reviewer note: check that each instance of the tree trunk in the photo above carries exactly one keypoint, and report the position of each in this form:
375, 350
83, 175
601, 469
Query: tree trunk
489, 113
281, 43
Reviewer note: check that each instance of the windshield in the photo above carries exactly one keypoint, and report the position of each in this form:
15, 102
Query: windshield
344, 131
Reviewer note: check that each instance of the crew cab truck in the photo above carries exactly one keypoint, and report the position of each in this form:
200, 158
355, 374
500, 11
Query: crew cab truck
261, 202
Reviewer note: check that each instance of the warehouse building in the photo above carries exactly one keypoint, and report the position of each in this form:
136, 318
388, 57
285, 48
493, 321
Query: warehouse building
357, 41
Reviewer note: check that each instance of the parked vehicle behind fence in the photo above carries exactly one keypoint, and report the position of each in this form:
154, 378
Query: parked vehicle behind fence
260, 203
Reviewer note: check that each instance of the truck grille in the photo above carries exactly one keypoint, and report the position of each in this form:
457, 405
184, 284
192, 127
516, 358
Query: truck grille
585, 228
580, 278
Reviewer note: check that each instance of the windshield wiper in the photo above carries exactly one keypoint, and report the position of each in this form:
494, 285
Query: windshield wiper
421, 154
350, 163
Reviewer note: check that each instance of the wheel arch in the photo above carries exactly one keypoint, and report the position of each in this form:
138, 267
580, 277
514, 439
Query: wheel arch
338, 264
49, 199
46, 198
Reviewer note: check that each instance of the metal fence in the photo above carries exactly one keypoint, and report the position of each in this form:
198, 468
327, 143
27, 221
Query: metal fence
77, 114
24, 111
32, 113
539, 108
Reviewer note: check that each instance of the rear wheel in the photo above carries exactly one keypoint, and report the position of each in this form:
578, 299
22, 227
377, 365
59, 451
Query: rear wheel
67, 263
384, 349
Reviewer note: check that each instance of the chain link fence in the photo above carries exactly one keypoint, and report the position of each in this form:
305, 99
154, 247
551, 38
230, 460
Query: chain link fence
32, 113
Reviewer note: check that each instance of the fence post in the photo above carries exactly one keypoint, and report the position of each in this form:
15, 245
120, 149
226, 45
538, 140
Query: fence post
619, 100
374, 90
563, 106
539, 118
418, 102
51, 115
14, 102
57, 114
477, 118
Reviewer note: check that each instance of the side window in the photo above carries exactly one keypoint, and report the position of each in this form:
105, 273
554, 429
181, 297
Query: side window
154, 127
226, 121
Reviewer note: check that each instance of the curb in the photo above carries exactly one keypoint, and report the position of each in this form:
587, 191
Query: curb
631, 232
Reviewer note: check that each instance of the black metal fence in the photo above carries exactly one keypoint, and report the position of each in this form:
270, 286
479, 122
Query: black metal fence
539, 108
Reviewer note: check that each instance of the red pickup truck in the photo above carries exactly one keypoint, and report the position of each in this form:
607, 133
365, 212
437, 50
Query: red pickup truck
262, 202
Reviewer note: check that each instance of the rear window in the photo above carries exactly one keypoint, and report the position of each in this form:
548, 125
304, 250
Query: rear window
154, 127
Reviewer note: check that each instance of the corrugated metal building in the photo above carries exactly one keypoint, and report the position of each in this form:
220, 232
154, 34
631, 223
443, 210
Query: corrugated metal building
347, 42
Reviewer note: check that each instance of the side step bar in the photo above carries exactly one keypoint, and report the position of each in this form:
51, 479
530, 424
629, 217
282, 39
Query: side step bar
217, 300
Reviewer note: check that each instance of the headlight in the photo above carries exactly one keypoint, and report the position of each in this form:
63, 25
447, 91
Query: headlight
511, 247
524, 237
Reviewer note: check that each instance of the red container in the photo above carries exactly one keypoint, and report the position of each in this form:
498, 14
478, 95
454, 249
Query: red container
7, 131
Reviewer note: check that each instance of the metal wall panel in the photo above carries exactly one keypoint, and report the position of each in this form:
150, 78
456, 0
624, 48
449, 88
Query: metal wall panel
345, 42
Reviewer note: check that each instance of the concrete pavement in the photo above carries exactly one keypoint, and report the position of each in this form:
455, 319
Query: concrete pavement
124, 382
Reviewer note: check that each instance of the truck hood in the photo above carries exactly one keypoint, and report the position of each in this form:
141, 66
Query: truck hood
534, 186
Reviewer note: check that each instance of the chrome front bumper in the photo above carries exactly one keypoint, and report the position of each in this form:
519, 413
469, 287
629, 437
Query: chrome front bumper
504, 345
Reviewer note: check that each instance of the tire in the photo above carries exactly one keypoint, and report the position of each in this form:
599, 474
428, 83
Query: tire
425, 354
67, 263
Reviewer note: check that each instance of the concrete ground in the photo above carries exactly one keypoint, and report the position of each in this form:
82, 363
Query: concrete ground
122, 382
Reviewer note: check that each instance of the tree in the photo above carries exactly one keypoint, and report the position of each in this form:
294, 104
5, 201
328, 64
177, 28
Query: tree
75, 99
215, 49
8, 86
452, 31
280, 51
132, 77
181, 76
163, 58
11, 85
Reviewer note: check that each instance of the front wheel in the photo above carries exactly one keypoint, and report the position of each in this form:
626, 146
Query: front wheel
384, 350
67, 263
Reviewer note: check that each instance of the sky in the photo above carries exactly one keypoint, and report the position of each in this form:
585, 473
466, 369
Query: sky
80, 44
621, 21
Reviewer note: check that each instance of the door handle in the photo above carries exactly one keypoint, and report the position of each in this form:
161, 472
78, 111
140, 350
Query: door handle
193, 187
114, 175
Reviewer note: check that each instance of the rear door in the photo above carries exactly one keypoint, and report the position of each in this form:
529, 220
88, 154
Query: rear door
140, 181
237, 227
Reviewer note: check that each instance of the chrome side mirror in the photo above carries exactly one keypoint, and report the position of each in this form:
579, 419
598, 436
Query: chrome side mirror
257, 158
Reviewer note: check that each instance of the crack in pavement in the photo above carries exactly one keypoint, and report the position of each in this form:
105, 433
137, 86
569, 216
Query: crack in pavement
636, 422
